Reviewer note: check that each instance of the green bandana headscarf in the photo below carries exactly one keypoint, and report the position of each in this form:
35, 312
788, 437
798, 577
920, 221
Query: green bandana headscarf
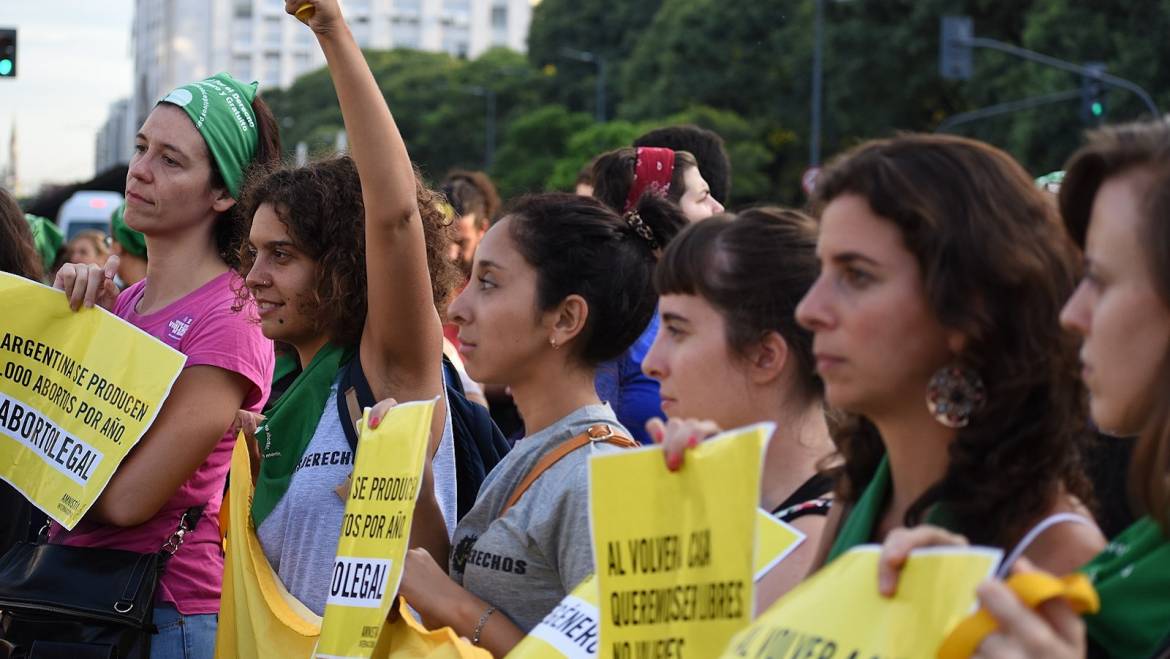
1132, 577
47, 238
221, 108
859, 527
132, 242
290, 424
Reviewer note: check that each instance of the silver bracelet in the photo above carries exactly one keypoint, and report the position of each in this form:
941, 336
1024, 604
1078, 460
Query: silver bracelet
479, 626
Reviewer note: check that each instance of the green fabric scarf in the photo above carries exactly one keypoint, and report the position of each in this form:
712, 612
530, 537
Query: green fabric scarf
132, 242
47, 238
1132, 577
859, 527
290, 426
221, 108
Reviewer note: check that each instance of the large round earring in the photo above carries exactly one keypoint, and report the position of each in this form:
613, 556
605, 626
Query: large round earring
954, 394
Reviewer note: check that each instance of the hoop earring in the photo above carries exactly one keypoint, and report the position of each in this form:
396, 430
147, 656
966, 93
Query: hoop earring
954, 394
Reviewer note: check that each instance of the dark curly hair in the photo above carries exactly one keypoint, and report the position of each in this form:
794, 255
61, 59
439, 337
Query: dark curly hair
321, 204
998, 267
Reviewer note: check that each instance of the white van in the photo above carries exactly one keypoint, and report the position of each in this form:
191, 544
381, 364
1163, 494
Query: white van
89, 209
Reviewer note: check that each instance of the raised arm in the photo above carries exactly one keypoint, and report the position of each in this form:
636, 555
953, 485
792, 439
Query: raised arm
402, 326
402, 341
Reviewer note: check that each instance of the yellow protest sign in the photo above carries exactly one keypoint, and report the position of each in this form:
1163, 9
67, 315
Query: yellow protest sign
77, 392
375, 530
839, 614
675, 571
572, 629
775, 540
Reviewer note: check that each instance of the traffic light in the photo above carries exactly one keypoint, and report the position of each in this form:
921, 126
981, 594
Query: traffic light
1093, 95
954, 51
7, 53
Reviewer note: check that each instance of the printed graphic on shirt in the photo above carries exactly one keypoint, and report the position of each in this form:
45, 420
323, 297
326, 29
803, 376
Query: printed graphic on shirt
325, 459
179, 326
466, 554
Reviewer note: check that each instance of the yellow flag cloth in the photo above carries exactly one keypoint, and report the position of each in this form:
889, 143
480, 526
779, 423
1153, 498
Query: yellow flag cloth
838, 611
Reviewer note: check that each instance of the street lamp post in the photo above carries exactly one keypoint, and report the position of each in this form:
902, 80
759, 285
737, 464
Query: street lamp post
489, 138
814, 139
599, 62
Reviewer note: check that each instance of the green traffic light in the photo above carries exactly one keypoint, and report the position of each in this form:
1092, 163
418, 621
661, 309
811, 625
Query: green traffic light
1097, 108
5, 66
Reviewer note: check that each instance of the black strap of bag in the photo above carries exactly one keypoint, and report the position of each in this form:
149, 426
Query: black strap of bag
80, 602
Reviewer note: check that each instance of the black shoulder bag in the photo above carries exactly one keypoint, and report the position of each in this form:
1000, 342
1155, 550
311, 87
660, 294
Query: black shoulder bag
67, 602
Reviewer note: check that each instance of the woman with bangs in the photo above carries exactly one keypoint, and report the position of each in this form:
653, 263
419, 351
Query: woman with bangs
729, 353
935, 328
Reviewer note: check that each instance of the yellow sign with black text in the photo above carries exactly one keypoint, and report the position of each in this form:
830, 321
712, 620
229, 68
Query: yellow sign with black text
839, 614
572, 629
77, 392
675, 572
375, 531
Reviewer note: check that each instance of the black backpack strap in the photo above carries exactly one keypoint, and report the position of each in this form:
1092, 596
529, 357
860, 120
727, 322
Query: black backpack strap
353, 396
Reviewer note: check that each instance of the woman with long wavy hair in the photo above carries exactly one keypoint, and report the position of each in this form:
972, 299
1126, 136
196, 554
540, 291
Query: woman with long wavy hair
935, 327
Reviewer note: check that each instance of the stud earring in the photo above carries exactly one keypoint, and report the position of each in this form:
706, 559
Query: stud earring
553, 342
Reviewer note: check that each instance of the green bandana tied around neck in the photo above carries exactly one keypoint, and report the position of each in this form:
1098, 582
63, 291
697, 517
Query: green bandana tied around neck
290, 424
221, 108
132, 242
1132, 577
47, 238
861, 524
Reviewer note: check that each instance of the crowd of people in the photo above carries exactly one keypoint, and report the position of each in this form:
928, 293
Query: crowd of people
951, 354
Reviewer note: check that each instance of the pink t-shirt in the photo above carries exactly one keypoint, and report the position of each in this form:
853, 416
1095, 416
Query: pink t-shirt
203, 327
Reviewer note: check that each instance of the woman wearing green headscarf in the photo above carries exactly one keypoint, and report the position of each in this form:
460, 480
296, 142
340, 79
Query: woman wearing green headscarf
129, 246
190, 158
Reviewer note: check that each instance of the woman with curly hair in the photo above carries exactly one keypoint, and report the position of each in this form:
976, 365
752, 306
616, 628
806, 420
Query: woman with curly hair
337, 263
943, 270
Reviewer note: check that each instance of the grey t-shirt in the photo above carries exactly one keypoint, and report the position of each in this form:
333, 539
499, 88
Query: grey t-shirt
526, 561
300, 535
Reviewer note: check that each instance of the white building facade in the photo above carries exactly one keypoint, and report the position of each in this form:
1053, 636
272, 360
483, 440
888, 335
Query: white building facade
176, 41
115, 140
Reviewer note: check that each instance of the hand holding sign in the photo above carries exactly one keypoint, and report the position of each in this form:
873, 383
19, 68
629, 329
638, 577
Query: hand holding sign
87, 284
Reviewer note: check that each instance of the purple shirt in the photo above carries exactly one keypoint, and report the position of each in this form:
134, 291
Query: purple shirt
203, 327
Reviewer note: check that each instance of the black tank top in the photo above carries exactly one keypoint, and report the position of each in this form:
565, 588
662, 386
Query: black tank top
808, 499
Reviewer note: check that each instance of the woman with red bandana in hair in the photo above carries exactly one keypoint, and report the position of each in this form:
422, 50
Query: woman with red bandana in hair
620, 179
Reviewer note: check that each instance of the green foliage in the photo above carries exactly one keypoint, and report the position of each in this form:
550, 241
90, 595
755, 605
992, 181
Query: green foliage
585, 145
606, 27
532, 146
743, 69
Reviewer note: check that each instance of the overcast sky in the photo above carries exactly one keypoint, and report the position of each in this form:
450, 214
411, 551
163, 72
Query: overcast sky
73, 61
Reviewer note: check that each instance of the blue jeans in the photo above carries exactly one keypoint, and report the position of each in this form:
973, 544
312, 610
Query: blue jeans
182, 637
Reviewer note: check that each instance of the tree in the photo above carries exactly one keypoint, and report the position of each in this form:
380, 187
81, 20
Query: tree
532, 145
604, 27
585, 145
